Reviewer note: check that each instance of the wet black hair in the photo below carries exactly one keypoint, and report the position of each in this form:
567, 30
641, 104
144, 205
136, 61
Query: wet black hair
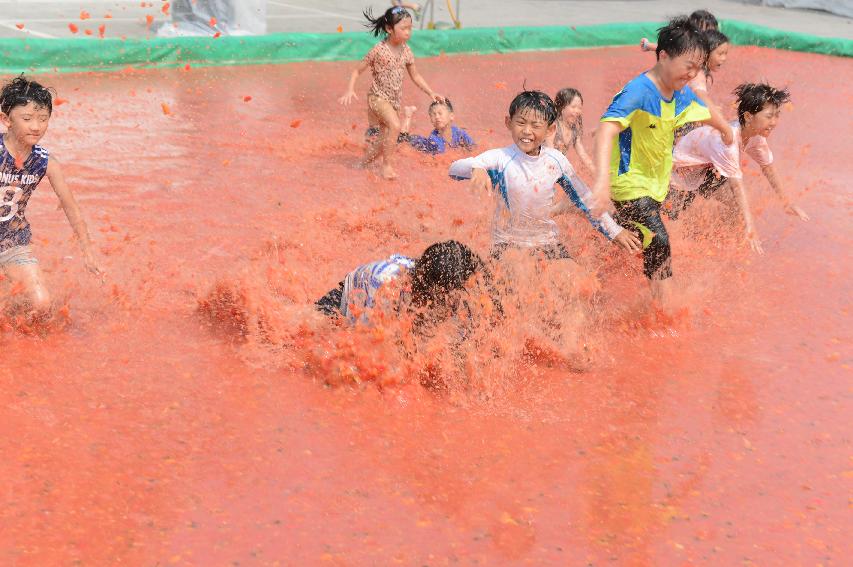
704, 20
680, 36
537, 101
715, 38
563, 99
389, 19
446, 103
20, 91
442, 268
753, 97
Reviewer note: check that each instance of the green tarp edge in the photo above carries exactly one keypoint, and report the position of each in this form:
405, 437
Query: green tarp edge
78, 54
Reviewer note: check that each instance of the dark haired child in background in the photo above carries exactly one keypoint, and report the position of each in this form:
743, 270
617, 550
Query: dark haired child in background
702, 19
25, 110
718, 52
387, 62
704, 165
444, 135
569, 132
644, 116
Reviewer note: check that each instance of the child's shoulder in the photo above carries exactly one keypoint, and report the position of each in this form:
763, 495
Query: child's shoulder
557, 156
638, 93
41, 151
379, 48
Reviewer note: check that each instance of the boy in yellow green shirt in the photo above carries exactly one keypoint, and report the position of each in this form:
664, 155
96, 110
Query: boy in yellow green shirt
634, 173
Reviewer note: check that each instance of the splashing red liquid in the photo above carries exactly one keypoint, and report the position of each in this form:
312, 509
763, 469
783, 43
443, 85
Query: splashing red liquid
196, 410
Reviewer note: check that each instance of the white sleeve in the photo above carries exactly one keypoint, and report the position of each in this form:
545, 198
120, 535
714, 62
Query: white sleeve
462, 168
581, 196
610, 226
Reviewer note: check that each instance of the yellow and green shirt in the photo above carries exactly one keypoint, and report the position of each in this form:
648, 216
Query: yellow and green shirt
642, 160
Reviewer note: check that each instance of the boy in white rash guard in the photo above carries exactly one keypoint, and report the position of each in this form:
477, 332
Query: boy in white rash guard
704, 165
523, 176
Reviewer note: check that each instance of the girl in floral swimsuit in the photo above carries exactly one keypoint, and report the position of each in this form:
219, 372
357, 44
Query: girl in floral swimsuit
387, 61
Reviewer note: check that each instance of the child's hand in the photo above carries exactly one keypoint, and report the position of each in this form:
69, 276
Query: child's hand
797, 211
629, 241
437, 97
92, 264
347, 98
409, 111
480, 181
754, 241
645, 45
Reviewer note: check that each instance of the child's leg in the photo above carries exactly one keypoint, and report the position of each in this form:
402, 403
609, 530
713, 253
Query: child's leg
22, 269
408, 112
391, 129
643, 216
373, 136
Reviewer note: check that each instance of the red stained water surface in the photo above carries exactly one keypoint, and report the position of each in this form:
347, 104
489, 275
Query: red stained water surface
139, 435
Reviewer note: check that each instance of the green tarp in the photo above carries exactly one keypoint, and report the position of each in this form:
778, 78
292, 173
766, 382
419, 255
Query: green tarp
79, 54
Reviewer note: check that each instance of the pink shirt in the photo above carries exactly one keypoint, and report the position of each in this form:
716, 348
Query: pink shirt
703, 147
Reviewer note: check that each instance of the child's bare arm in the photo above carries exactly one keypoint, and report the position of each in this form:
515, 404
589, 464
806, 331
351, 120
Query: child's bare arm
791, 208
585, 159
422, 84
646, 45
604, 138
717, 120
350, 94
72, 213
749, 224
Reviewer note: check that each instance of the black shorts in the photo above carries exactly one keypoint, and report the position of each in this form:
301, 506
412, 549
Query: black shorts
679, 201
642, 217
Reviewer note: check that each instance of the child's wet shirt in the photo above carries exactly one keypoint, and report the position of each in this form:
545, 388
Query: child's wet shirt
704, 147
16, 187
388, 71
525, 194
362, 285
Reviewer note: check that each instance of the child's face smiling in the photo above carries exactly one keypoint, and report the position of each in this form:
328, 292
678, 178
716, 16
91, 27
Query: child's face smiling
763, 123
27, 124
676, 72
571, 112
718, 57
529, 130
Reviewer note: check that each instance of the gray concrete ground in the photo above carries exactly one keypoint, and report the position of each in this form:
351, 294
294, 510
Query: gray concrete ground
51, 18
